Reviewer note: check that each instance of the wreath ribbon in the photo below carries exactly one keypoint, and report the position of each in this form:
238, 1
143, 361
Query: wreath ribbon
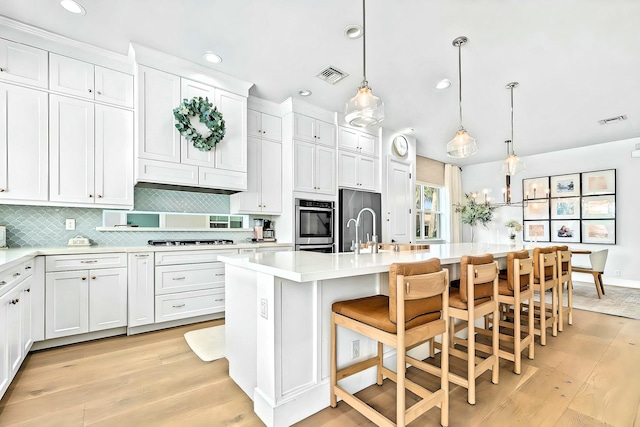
208, 115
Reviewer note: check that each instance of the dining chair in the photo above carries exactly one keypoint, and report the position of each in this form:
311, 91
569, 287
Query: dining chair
513, 293
476, 298
415, 312
598, 260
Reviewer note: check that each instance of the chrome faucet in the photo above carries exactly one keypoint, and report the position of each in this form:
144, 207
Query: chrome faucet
374, 237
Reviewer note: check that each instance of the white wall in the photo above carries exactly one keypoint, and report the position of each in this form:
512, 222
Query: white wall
612, 155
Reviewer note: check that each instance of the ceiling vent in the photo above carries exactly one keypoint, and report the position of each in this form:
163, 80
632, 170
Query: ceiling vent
331, 75
612, 120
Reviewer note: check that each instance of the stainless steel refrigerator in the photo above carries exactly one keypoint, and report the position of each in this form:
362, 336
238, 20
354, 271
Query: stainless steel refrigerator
350, 202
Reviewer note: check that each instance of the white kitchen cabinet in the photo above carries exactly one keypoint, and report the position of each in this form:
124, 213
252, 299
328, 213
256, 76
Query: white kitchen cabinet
358, 171
264, 179
23, 64
190, 155
91, 149
306, 128
141, 288
5, 378
82, 79
357, 141
314, 168
14, 332
24, 144
88, 300
274, 249
264, 126
158, 95
26, 317
231, 152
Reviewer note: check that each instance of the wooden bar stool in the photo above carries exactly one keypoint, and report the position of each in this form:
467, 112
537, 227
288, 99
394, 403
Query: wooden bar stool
545, 277
476, 298
513, 291
418, 294
563, 259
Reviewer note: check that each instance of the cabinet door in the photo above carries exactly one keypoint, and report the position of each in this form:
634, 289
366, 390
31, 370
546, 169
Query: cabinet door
190, 155
367, 173
14, 332
66, 303
325, 133
254, 123
347, 139
325, 170
26, 316
141, 291
113, 87
70, 76
113, 156
271, 177
107, 298
23, 64
271, 127
347, 176
399, 194
5, 330
304, 166
159, 94
24, 143
231, 152
367, 144
303, 128
71, 154
250, 201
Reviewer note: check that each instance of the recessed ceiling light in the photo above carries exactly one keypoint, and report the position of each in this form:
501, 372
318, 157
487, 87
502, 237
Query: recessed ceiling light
407, 130
212, 57
304, 92
353, 32
73, 7
443, 84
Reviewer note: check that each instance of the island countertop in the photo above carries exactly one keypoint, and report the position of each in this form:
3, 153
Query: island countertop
309, 266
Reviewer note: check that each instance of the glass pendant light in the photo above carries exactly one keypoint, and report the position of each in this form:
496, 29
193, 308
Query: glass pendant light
364, 109
512, 164
462, 145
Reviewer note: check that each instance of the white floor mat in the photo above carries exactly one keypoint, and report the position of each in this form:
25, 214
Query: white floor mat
208, 343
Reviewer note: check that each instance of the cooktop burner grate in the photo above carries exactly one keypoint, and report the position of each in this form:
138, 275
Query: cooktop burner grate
194, 242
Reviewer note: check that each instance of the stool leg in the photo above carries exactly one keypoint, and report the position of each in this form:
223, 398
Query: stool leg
560, 307
530, 329
543, 317
471, 359
517, 336
380, 361
400, 383
554, 310
495, 345
444, 377
570, 299
334, 330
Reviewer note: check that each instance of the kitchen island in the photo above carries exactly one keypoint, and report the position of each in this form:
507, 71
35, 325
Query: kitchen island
278, 308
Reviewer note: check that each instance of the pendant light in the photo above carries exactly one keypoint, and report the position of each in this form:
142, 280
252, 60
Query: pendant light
512, 164
364, 109
462, 145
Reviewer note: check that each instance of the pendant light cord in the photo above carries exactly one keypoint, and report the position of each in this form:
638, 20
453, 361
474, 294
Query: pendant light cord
511, 151
364, 46
460, 83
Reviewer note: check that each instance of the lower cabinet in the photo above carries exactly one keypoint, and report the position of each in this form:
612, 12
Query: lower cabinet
141, 272
81, 301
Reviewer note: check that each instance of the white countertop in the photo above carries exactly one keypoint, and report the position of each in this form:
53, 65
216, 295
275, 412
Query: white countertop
308, 266
13, 256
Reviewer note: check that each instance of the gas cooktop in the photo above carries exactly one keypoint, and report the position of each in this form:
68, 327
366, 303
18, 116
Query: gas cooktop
190, 242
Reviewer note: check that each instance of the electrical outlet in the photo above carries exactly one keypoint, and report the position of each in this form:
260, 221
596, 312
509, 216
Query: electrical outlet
263, 308
355, 349
617, 273
69, 224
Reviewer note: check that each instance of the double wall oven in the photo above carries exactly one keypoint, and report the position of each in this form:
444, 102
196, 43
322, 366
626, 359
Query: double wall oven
314, 225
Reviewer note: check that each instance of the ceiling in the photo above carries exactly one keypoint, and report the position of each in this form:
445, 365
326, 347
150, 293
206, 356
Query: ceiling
577, 61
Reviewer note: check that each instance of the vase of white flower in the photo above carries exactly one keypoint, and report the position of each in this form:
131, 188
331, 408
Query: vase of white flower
513, 227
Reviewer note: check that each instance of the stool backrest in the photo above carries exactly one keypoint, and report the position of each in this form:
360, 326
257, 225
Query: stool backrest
413, 307
598, 260
548, 263
519, 263
482, 289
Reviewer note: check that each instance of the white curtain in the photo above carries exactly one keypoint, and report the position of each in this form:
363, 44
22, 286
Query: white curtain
452, 229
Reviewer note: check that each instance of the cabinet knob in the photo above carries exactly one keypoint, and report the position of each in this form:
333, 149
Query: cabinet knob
2, 283
90, 90
2, 70
83, 278
16, 274
99, 196
90, 195
14, 301
98, 92
264, 131
1, 190
93, 277
28, 290
259, 131
28, 267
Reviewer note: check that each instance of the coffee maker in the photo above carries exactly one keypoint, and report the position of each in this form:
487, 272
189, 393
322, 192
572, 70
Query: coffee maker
258, 227
269, 231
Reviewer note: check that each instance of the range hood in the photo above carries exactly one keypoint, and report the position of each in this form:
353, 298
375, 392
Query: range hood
174, 187
636, 152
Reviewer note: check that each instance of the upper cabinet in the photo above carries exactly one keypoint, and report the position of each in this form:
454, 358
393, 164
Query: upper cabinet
78, 78
358, 163
23, 64
168, 158
313, 130
357, 141
264, 126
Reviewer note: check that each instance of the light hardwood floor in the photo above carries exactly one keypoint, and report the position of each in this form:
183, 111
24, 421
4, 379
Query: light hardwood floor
587, 376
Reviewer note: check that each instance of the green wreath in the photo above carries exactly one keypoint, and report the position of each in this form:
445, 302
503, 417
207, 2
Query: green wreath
208, 114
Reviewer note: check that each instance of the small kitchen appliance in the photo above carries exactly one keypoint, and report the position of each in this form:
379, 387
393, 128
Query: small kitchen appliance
269, 232
258, 229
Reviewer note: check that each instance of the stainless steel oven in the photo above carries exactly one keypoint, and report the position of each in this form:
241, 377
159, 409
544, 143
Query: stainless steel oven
314, 222
325, 249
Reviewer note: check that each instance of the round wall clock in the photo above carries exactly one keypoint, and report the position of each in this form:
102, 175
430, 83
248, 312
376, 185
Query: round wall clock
400, 145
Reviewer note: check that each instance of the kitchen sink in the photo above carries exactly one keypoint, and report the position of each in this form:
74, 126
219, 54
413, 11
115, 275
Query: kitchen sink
402, 247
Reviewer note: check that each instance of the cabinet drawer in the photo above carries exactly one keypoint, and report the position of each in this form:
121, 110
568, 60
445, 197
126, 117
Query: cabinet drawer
188, 304
190, 277
11, 277
190, 257
85, 261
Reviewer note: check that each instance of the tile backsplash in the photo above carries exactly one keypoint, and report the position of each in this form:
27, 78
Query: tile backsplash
43, 226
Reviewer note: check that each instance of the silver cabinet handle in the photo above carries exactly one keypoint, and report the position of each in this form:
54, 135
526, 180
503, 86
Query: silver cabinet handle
90, 261
142, 255
179, 305
219, 299
179, 278
219, 274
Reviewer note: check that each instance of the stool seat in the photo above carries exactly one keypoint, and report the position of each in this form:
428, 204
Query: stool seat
456, 302
504, 289
374, 311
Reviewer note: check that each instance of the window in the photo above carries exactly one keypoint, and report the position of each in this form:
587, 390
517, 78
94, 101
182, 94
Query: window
428, 212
